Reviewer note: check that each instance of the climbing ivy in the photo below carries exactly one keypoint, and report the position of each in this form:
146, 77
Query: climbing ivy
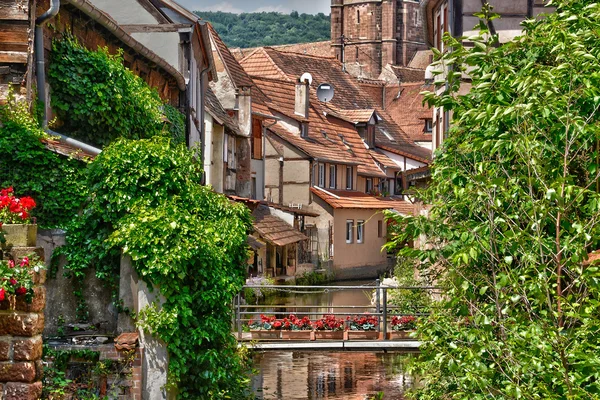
98, 100
54, 181
185, 240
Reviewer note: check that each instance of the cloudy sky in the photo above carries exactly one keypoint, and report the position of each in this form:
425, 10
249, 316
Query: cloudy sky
239, 6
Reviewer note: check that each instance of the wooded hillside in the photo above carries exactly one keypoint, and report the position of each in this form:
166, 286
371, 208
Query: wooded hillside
268, 28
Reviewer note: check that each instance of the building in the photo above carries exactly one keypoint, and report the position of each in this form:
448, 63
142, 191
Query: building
457, 18
345, 160
179, 37
368, 35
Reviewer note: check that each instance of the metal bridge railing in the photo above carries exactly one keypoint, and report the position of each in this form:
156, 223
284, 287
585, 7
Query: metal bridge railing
243, 313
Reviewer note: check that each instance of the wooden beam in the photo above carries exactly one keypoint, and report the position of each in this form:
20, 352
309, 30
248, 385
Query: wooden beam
148, 6
14, 33
144, 28
13, 57
14, 10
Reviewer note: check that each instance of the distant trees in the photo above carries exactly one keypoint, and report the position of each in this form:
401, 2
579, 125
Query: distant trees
268, 28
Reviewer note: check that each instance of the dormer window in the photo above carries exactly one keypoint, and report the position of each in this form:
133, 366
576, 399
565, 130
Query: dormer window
370, 140
428, 125
304, 130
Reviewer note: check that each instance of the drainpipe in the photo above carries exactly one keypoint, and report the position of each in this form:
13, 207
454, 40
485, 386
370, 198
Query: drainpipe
40, 72
40, 69
202, 125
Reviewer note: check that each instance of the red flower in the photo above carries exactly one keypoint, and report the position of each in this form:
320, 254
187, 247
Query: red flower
6, 192
277, 324
21, 291
11, 264
27, 203
13, 281
2, 294
24, 262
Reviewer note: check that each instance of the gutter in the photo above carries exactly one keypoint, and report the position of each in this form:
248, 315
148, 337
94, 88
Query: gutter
109, 24
40, 69
75, 143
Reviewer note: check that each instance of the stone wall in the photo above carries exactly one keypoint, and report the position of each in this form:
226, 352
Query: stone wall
21, 326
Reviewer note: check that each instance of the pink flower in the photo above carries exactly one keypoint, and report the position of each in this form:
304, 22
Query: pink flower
11, 264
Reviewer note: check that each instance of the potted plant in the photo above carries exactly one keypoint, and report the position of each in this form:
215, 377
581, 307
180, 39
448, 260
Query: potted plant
268, 327
16, 219
329, 327
402, 326
294, 328
363, 327
16, 281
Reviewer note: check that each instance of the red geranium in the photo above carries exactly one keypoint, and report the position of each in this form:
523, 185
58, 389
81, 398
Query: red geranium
403, 323
14, 209
21, 291
329, 323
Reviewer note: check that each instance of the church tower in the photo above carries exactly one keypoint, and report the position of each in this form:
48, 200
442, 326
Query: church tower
368, 35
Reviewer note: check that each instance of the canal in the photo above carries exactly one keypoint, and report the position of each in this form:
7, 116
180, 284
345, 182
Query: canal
291, 375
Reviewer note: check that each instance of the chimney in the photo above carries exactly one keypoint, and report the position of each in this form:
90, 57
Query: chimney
302, 95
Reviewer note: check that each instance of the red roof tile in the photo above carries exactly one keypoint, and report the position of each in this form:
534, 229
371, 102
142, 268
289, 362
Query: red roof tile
359, 200
404, 103
275, 230
407, 74
321, 49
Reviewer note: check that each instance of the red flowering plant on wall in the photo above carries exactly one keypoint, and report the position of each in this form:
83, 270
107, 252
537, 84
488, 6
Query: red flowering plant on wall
404, 323
365, 322
293, 323
266, 323
16, 278
329, 323
15, 210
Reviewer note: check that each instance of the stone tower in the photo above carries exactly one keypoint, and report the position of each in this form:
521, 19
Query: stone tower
376, 33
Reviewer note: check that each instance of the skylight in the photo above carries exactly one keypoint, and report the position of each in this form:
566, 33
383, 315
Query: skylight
387, 134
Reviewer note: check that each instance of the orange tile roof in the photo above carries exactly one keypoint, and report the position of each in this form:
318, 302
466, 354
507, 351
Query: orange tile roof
407, 74
383, 159
238, 76
404, 104
321, 49
360, 200
270, 63
275, 230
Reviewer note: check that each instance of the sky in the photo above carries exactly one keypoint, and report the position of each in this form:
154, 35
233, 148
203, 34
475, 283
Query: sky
240, 6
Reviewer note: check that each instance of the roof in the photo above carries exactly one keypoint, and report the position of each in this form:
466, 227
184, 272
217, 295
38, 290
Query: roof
421, 59
329, 139
407, 74
215, 109
275, 230
291, 210
359, 200
355, 116
65, 149
127, 341
238, 76
405, 105
321, 49
269, 63
384, 160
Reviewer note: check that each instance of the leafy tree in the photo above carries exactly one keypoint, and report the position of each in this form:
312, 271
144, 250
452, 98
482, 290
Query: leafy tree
268, 28
515, 212
186, 240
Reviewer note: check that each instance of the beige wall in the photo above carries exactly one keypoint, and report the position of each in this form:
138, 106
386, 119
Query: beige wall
358, 254
216, 161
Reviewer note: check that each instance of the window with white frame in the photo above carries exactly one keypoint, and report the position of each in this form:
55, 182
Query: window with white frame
428, 125
441, 26
349, 176
321, 175
332, 176
349, 231
360, 231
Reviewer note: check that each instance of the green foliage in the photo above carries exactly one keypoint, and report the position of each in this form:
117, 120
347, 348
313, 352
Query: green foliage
312, 278
55, 182
515, 212
176, 123
408, 301
98, 100
184, 239
268, 28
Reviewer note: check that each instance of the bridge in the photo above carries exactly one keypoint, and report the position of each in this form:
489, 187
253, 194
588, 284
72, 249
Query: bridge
278, 302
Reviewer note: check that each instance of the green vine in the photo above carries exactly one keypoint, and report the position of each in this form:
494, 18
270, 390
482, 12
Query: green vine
98, 100
55, 182
185, 240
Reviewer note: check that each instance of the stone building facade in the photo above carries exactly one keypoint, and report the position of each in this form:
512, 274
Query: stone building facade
368, 35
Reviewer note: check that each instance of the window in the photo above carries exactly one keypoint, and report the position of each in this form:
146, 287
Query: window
441, 26
368, 185
314, 174
304, 130
428, 125
360, 231
371, 135
349, 230
358, 16
332, 176
349, 176
380, 228
321, 175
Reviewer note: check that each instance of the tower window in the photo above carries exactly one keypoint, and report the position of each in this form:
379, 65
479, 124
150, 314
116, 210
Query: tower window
357, 16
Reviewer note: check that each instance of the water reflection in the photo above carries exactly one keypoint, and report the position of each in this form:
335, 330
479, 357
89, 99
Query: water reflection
318, 375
